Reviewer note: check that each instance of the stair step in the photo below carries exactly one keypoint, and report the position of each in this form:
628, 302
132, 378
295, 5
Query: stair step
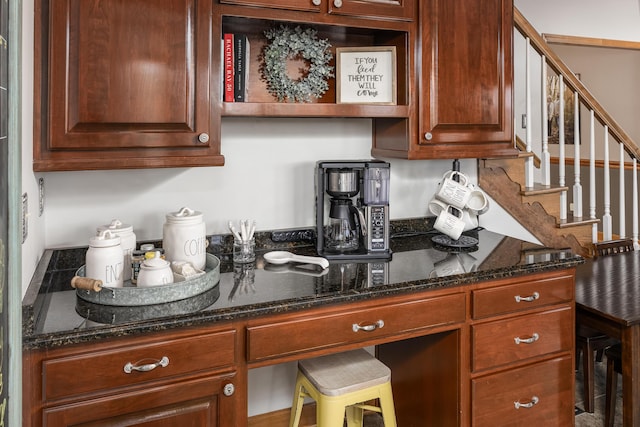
542, 189
572, 221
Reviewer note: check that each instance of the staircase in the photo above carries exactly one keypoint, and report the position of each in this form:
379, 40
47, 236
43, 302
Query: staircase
546, 207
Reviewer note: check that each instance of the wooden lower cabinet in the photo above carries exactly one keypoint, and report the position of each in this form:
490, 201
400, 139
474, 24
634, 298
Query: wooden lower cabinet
522, 352
196, 402
540, 394
495, 353
189, 377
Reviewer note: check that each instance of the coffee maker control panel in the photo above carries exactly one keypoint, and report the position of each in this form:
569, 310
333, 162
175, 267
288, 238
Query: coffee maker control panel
377, 224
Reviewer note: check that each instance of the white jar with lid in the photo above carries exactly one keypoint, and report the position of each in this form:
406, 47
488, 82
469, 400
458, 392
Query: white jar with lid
155, 271
127, 240
184, 237
105, 259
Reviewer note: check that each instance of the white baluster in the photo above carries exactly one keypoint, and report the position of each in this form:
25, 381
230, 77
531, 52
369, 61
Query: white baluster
622, 207
545, 158
592, 177
561, 155
577, 185
606, 218
529, 168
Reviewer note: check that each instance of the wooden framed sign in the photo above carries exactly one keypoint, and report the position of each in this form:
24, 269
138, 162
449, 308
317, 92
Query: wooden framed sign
366, 75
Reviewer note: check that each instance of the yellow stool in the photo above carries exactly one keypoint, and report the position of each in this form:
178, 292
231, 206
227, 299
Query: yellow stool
340, 382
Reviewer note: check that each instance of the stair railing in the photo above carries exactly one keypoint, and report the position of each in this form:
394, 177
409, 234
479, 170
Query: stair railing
551, 64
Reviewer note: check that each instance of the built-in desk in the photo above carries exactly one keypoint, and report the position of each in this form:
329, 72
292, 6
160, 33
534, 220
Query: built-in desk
490, 341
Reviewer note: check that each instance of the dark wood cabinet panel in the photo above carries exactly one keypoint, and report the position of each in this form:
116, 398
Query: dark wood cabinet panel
124, 84
464, 78
198, 402
121, 382
541, 394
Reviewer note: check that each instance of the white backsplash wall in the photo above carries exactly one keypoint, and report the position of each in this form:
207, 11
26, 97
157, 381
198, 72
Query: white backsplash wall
268, 176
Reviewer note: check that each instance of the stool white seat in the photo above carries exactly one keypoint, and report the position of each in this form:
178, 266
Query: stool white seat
343, 382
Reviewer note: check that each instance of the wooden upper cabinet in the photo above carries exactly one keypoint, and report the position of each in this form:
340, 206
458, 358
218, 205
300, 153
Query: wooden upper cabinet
128, 85
391, 9
466, 99
464, 85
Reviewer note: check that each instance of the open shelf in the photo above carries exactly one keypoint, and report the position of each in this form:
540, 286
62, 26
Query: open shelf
261, 102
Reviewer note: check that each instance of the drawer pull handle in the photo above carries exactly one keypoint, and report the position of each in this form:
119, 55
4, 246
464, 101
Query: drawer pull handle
530, 298
368, 328
531, 340
534, 401
129, 367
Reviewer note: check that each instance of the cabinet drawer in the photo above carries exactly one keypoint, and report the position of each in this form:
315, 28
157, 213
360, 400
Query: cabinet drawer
522, 296
501, 342
299, 335
103, 370
549, 383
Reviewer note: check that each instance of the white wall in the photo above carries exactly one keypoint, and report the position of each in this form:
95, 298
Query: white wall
611, 19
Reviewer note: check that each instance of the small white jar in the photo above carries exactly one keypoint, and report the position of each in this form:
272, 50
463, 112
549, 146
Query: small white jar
184, 237
155, 272
105, 259
127, 240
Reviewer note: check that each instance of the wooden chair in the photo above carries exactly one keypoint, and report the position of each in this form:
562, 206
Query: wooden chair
590, 342
614, 367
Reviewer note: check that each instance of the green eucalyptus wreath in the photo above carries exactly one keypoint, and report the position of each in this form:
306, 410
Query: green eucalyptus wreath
286, 43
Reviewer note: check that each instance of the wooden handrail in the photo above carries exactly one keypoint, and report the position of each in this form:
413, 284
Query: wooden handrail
554, 61
522, 146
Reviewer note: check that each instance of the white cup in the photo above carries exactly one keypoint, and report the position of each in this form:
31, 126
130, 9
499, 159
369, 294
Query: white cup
450, 222
478, 202
469, 218
455, 193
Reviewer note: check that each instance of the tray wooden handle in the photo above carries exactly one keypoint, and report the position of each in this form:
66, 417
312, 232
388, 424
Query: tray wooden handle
79, 282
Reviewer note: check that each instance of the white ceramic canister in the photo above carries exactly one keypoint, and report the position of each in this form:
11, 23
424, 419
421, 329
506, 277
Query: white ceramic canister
184, 237
105, 259
155, 271
127, 240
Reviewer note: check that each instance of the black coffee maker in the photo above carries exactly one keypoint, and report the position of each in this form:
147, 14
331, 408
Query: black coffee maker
352, 209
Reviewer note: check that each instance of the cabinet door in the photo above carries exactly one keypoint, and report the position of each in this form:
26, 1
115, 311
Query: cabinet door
467, 73
128, 85
198, 402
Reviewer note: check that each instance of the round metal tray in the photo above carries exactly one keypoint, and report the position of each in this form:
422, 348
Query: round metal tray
130, 295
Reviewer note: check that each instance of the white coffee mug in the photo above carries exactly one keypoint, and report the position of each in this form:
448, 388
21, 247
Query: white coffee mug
455, 193
478, 201
450, 222
469, 218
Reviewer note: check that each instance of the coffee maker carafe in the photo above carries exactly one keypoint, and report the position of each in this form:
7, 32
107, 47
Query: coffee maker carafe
352, 209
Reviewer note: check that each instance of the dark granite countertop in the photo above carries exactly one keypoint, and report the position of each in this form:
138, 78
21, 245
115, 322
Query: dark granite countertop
54, 316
